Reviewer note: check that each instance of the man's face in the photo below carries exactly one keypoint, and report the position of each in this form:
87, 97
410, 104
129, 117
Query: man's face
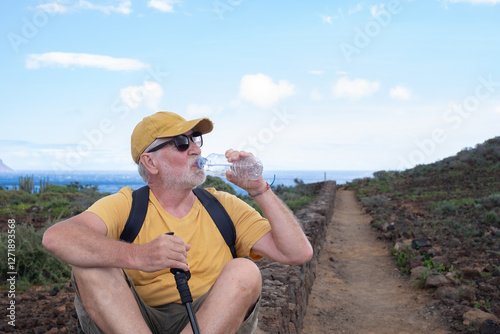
178, 170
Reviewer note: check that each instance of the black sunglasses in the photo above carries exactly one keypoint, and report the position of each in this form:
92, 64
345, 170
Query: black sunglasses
181, 142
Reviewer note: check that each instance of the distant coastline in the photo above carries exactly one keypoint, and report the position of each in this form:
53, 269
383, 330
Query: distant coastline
112, 181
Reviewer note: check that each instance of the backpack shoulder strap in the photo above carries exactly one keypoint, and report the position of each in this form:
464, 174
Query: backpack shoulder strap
140, 199
220, 217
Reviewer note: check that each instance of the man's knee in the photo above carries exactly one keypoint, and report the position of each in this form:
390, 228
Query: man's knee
97, 275
99, 285
245, 274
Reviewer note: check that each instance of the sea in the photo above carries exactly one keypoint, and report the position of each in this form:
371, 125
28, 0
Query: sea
112, 181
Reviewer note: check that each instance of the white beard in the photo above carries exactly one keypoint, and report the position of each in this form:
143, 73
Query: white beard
181, 179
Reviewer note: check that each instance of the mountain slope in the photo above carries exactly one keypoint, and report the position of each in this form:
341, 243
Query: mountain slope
444, 217
4, 167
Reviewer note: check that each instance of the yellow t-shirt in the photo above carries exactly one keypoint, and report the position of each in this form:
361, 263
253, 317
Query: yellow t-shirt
209, 252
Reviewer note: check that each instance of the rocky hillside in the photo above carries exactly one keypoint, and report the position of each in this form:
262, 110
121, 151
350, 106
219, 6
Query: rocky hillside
442, 222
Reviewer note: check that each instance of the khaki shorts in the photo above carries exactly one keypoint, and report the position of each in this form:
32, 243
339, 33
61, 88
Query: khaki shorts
165, 319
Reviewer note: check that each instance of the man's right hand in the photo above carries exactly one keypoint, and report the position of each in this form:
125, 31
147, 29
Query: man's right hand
166, 251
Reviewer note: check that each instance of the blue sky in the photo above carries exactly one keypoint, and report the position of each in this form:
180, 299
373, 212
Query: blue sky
319, 85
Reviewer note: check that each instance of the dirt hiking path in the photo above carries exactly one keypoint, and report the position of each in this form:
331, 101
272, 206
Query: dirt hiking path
357, 287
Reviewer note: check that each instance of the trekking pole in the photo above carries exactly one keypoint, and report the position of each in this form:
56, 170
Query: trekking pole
181, 280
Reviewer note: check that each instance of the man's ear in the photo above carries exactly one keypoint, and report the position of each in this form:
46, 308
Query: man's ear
149, 161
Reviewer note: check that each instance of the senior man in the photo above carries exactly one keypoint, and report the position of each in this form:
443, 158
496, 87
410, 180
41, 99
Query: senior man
126, 287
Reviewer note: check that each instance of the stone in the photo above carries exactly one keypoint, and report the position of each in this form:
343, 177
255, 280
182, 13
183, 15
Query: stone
419, 244
468, 294
418, 223
447, 294
476, 317
417, 272
489, 327
470, 273
415, 262
402, 245
441, 260
435, 281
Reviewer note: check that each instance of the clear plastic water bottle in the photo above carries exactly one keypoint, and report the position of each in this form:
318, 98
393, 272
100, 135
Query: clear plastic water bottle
248, 168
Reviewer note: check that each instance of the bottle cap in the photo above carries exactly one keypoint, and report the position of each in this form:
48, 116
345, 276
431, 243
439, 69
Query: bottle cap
201, 162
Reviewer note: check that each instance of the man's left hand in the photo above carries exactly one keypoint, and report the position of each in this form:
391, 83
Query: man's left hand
251, 186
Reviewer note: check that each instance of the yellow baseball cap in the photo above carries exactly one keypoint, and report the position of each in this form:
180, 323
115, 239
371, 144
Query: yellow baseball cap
163, 124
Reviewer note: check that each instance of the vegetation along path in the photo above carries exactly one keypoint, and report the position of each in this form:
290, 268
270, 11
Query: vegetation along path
358, 288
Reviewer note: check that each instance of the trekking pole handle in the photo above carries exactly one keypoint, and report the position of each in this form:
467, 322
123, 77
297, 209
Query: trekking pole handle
181, 278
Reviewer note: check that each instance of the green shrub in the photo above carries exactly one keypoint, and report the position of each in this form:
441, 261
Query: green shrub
55, 188
60, 207
375, 201
383, 175
299, 203
403, 259
492, 217
491, 201
33, 264
218, 183
13, 197
49, 196
446, 207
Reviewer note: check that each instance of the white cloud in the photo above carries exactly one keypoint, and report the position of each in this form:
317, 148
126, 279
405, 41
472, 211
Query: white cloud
53, 8
148, 95
122, 8
65, 59
166, 6
497, 109
326, 19
400, 93
315, 72
262, 91
354, 89
61, 7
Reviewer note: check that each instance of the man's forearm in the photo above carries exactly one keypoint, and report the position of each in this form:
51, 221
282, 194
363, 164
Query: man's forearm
288, 236
81, 246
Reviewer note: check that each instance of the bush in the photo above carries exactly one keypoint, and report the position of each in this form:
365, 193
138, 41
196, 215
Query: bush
383, 175
492, 217
491, 201
299, 203
403, 259
298, 196
13, 197
55, 188
217, 183
33, 264
60, 207
445, 207
376, 201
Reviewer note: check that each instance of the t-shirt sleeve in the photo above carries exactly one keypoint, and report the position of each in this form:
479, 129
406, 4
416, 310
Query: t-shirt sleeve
114, 211
249, 224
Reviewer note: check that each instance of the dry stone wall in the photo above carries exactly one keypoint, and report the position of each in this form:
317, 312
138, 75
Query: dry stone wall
286, 288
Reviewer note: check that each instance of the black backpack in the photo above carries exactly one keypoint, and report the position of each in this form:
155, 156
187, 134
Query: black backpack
140, 199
